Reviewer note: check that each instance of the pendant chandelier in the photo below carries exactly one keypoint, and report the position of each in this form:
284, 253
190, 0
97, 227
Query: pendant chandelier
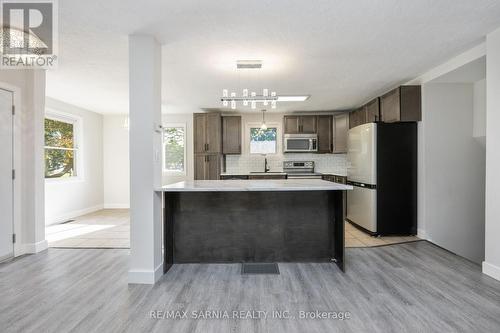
230, 99
266, 98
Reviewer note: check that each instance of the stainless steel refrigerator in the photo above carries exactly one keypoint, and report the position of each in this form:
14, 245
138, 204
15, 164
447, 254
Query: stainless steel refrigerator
382, 167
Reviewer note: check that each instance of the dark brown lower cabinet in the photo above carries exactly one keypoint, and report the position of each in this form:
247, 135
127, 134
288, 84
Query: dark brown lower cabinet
335, 179
234, 177
207, 166
267, 177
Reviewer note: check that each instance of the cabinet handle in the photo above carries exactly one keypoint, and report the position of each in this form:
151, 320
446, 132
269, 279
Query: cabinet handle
208, 146
331, 147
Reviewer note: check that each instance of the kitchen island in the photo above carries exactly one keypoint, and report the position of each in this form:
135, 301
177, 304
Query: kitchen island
236, 221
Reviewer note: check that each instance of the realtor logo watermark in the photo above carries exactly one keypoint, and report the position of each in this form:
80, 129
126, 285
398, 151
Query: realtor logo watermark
29, 36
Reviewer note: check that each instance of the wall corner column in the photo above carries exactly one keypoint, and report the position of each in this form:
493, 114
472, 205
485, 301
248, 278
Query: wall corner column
491, 264
146, 262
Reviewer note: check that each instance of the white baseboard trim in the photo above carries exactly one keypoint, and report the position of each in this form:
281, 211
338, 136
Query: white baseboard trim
36, 247
116, 206
421, 233
69, 215
491, 270
145, 277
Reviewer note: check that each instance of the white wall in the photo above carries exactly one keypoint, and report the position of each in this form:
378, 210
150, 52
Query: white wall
491, 265
187, 120
479, 126
29, 99
65, 199
453, 180
116, 162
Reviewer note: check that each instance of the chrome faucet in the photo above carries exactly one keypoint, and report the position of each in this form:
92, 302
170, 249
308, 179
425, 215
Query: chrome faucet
266, 168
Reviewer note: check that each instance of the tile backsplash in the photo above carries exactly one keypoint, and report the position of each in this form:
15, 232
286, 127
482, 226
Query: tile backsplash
324, 163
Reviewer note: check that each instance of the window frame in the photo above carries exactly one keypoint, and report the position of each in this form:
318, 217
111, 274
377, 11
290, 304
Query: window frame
77, 122
174, 172
247, 140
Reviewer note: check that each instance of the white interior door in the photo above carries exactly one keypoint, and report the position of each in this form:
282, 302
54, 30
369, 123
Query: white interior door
6, 182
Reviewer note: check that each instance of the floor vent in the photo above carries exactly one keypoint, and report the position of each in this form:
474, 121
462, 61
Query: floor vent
260, 268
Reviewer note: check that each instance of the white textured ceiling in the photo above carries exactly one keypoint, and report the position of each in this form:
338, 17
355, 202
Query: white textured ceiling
340, 52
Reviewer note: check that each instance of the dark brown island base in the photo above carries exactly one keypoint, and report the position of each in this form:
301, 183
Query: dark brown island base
241, 221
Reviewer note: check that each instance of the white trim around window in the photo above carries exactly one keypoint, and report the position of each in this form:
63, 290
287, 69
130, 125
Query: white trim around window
246, 137
175, 172
77, 122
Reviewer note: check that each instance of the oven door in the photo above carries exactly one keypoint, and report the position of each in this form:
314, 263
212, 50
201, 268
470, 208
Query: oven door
298, 144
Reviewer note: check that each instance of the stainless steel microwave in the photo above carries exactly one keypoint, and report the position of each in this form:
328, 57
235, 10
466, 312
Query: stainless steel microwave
300, 143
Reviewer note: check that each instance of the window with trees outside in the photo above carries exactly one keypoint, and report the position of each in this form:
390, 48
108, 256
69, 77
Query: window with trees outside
61, 148
263, 141
174, 148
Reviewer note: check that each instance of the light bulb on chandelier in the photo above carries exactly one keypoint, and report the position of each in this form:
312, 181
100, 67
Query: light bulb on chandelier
224, 95
245, 95
233, 102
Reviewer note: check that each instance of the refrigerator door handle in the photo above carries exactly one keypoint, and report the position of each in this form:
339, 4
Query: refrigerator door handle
362, 185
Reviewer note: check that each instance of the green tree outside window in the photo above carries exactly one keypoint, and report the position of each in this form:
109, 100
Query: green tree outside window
263, 141
59, 149
173, 142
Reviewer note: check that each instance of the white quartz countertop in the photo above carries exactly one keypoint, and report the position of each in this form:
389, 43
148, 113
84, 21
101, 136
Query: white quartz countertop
254, 185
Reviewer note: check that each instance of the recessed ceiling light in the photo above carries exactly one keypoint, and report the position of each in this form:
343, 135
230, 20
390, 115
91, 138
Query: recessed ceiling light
300, 98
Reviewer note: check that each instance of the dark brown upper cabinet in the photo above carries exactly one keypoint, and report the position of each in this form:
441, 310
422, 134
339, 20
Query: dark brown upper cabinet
357, 117
340, 129
300, 124
308, 124
231, 135
401, 104
207, 133
325, 134
291, 124
373, 111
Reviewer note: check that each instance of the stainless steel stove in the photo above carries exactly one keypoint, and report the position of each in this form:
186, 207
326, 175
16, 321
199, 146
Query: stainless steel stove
300, 170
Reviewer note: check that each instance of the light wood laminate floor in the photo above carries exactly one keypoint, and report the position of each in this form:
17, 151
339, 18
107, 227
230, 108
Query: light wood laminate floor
110, 228
107, 228
413, 287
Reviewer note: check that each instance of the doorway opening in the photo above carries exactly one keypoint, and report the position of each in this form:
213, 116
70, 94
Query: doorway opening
7, 175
